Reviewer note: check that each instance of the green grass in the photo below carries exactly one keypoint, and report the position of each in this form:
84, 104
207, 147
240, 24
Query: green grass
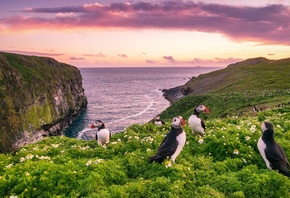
253, 74
66, 167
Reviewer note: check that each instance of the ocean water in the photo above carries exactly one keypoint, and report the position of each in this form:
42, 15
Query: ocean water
121, 97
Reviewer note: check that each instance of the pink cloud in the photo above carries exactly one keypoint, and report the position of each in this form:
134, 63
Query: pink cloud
123, 55
268, 24
33, 53
76, 58
169, 59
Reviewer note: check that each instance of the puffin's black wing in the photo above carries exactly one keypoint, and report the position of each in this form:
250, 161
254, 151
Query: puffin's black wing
166, 148
278, 159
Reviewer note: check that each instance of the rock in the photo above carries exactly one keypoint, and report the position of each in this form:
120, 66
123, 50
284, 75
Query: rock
39, 97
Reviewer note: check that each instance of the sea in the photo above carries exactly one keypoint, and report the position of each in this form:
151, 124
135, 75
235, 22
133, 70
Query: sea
121, 97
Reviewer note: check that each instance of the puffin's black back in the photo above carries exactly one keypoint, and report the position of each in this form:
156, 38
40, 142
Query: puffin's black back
275, 154
167, 147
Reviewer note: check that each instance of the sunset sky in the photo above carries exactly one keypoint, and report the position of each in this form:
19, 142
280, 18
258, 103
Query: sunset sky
110, 33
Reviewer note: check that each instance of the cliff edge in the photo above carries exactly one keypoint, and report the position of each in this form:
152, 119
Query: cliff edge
39, 97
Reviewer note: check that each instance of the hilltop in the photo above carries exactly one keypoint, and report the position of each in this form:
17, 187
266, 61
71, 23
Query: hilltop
255, 74
235, 90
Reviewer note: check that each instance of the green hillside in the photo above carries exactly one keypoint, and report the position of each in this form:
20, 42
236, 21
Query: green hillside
226, 164
253, 74
236, 89
223, 163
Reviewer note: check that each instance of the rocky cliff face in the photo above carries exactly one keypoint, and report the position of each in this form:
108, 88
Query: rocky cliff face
38, 97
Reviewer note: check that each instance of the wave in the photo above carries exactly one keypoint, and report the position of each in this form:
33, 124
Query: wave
87, 132
137, 114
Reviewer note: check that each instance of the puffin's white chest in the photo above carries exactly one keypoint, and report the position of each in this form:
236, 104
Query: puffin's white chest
195, 124
103, 136
158, 123
181, 139
262, 147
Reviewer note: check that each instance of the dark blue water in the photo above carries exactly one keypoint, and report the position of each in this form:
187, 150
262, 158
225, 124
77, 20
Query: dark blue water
123, 96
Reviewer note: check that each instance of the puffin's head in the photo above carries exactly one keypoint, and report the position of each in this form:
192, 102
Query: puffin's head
98, 124
178, 122
201, 108
266, 126
157, 118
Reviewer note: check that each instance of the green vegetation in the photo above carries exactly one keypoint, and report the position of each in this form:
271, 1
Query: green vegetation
36, 92
224, 163
256, 74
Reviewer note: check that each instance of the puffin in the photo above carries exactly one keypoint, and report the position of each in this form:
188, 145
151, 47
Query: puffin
158, 121
272, 153
195, 123
172, 144
103, 134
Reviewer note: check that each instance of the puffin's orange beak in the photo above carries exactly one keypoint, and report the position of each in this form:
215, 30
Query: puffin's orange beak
207, 110
183, 122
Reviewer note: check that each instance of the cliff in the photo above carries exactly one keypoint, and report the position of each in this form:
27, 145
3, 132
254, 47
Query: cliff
254, 74
39, 97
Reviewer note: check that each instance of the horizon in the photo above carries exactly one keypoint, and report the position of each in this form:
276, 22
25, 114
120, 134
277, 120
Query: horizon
150, 33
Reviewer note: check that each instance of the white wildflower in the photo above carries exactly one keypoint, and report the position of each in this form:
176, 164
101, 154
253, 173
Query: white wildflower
236, 151
89, 163
35, 149
21, 159
9, 166
136, 137
278, 126
44, 157
238, 127
29, 156
168, 164
27, 174
148, 150
253, 128
247, 138
55, 145
13, 196
97, 161
200, 141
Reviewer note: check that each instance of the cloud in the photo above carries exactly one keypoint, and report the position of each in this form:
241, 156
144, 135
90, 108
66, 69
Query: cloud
169, 59
33, 53
123, 55
150, 61
99, 55
268, 24
76, 59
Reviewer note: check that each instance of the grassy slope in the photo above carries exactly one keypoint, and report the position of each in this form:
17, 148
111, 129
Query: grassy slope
236, 89
252, 74
66, 167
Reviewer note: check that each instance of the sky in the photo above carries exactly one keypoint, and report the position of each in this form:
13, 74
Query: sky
148, 33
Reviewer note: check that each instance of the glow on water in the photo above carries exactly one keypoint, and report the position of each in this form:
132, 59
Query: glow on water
121, 97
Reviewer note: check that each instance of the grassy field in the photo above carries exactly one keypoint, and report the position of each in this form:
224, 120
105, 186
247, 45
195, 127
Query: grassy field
224, 163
